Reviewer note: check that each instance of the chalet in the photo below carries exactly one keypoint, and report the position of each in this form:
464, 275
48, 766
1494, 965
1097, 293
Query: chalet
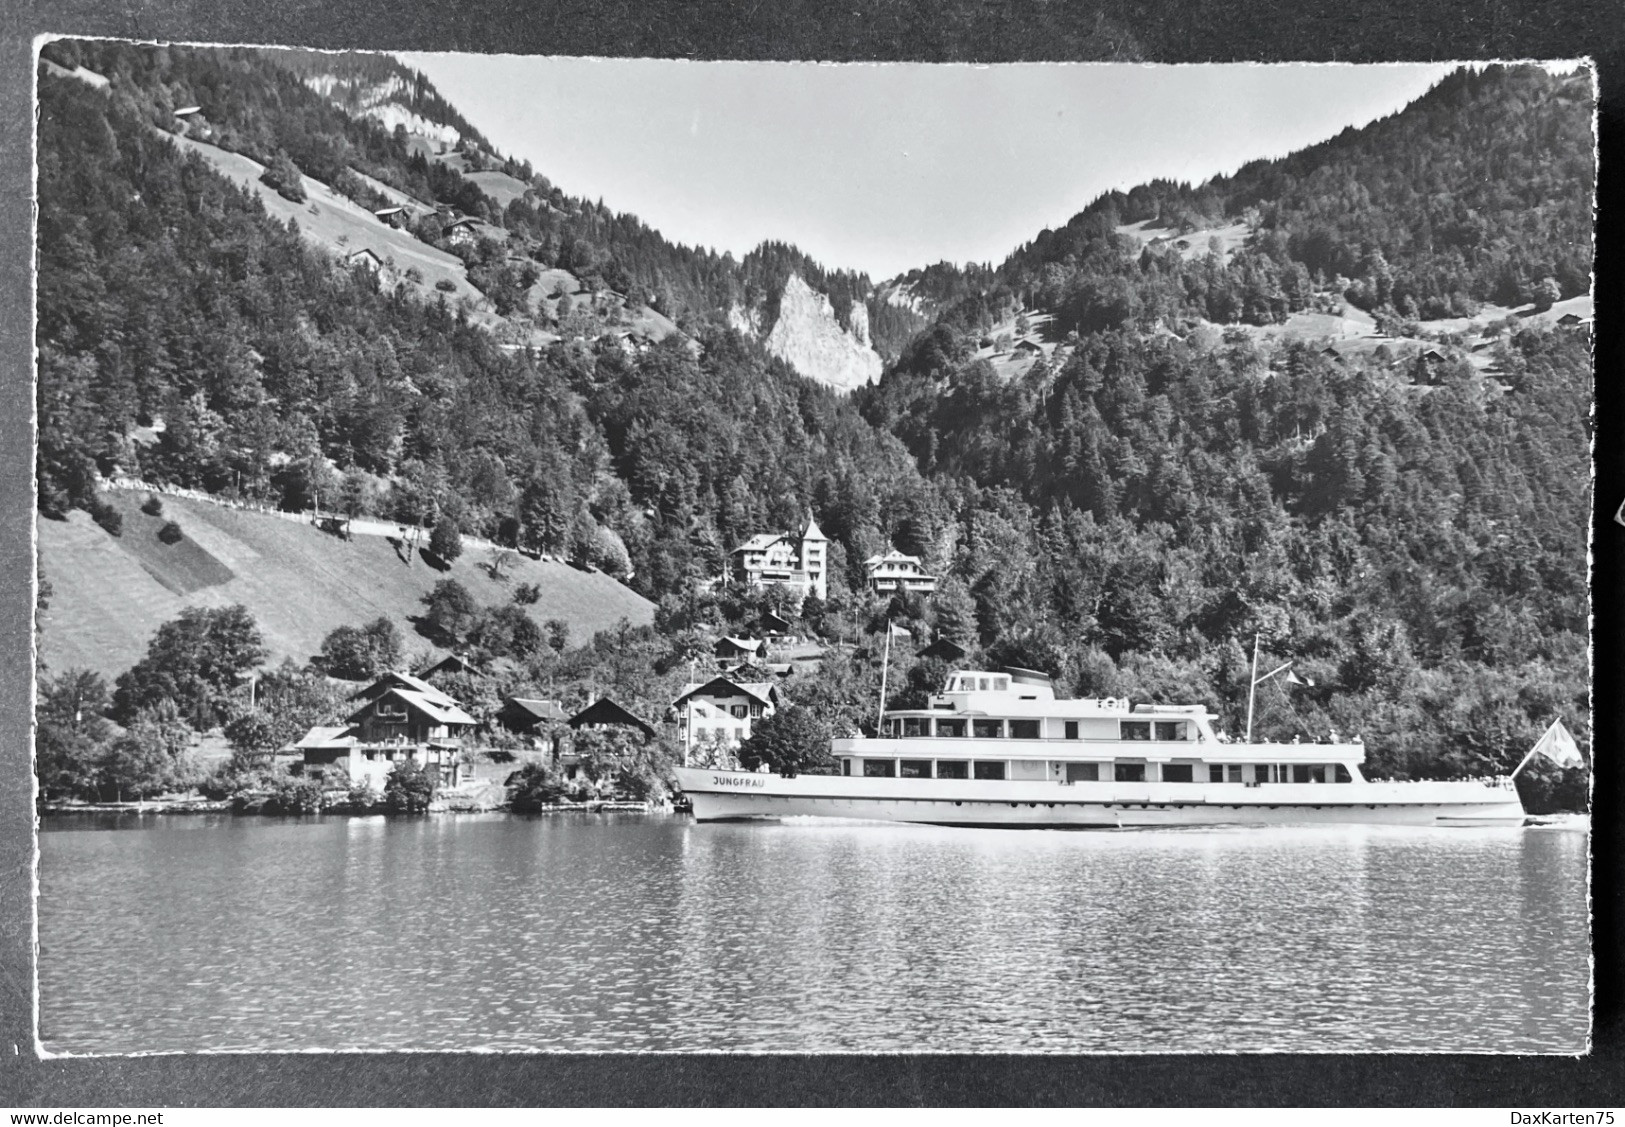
774, 625
605, 713
729, 648
398, 680
400, 720
944, 650
799, 561
1027, 348
538, 721
458, 231
1573, 320
365, 257
721, 711
757, 670
895, 571
394, 216
447, 666
524, 715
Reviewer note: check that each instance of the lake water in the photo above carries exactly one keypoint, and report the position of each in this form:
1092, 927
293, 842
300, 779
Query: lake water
583, 932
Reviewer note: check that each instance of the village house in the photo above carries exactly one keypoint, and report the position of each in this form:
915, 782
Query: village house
895, 571
799, 561
400, 719
458, 232
730, 648
369, 260
527, 716
721, 711
944, 649
448, 666
601, 715
749, 670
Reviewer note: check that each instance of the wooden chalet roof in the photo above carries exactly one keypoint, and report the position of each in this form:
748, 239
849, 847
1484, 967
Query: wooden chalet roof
325, 739
604, 711
730, 644
529, 708
766, 692
945, 649
399, 680
451, 663
438, 707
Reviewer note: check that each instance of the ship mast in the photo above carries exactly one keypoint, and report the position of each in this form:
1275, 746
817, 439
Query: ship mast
1252, 688
880, 716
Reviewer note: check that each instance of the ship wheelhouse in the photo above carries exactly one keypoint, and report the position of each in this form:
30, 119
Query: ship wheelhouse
1007, 724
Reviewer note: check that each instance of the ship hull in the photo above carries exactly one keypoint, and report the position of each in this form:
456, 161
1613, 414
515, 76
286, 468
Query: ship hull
738, 795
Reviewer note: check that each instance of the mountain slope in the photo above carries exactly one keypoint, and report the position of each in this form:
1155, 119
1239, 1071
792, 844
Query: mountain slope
110, 594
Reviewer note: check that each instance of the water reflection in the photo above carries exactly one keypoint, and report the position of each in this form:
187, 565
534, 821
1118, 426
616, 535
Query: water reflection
591, 933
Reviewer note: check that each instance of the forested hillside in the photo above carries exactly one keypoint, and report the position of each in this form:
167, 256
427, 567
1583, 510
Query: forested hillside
1169, 480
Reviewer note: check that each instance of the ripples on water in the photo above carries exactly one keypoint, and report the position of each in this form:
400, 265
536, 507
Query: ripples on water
582, 933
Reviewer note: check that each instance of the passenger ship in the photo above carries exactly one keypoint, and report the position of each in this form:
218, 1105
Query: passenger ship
998, 749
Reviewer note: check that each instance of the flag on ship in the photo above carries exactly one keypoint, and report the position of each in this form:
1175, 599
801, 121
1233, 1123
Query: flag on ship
1293, 679
1558, 746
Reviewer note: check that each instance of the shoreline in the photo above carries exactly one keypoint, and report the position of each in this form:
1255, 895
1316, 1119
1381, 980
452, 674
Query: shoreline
226, 806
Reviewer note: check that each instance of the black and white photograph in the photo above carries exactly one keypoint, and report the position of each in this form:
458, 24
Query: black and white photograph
540, 554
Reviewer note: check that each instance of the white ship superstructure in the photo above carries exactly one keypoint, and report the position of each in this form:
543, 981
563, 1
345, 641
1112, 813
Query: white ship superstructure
996, 748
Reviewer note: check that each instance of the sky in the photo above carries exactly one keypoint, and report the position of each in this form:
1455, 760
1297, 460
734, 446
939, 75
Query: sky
886, 167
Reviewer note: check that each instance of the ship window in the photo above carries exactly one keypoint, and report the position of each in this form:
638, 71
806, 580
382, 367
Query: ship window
1170, 729
953, 769
1343, 775
1300, 772
982, 684
1071, 729
1261, 773
1233, 772
1001, 684
984, 770
1129, 772
916, 726
1136, 729
1177, 773
987, 729
1215, 773
1024, 729
1083, 772
1317, 773
914, 768
846, 766
954, 728
879, 768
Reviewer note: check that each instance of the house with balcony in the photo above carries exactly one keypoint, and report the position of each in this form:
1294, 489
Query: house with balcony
790, 559
400, 720
894, 572
720, 713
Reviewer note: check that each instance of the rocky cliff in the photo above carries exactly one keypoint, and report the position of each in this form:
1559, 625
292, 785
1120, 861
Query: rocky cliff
809, 338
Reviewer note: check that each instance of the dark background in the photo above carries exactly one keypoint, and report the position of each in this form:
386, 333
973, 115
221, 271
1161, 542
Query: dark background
852, 30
